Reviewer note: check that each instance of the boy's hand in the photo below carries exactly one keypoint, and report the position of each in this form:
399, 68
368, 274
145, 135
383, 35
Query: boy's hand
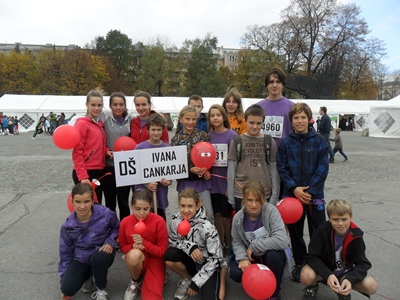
302, 195
333, 283
345, 287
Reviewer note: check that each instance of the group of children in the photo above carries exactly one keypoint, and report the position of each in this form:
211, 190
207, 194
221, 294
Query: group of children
246, 177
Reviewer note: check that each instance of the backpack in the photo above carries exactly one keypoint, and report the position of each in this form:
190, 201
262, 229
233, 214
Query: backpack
267, 147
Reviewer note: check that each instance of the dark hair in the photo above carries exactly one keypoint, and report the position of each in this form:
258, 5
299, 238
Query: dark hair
323, 108
298, 108
254, 110
141, 194
224, 117
155, 120
234, 93
82, 188
143, 94
118, 95
92, 93
189, 193
278, 73
196, 98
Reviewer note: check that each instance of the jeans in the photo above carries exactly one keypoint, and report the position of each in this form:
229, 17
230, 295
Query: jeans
340, 151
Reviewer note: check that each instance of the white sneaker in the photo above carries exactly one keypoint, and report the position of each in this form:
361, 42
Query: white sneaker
33, 138
132, 290
88, 286
182, 292
100, 295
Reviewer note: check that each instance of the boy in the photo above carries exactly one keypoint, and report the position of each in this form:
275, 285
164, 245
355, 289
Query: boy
336, 256
155, 126
303, 167
201, 122
252, 163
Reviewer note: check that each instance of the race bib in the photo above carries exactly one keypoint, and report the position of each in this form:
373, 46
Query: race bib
273, 125
221, 159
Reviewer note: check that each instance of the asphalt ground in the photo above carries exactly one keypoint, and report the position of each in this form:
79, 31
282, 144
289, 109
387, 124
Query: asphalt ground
36, 180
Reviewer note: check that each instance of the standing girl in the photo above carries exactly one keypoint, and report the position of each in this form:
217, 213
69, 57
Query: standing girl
220, 137
144, 252
139, 131
116, 124
258, 236
198, 177
195, 257
89, 155
233, 106
338, 144
87, 240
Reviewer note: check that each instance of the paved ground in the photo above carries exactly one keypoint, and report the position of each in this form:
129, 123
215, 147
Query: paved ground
36, 179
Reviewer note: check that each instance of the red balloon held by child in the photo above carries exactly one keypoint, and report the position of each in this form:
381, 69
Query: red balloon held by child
124, 143
66, 137
140, 227
259, 281
184, 226
290, 209
203, 155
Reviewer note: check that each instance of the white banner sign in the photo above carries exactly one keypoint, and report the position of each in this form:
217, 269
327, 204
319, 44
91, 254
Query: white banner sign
149, 165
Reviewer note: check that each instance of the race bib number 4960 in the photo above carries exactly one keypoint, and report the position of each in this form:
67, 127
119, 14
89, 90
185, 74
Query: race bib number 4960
273, 125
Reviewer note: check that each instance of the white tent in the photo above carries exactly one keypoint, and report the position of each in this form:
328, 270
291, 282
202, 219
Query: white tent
29, 108
385, 119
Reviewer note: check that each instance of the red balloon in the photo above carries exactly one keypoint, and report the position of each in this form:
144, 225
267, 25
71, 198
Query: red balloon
69, 201
140, 227
259, 281
66, 137
124, 143
203, 155
290, 209
184, 226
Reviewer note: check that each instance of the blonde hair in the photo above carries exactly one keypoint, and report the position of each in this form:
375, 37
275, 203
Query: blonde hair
256, 188
337, 130
187, 109
224, 117
339, 207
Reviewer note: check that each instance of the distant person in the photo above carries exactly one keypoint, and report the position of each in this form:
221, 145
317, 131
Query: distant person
234, 107
87, 240
38, 128
53, 122
201, 122
303, 168
338, 144
5, 125
325, 128
350, 125
276, 106
336, 256
318, 122
61, 119
16, 125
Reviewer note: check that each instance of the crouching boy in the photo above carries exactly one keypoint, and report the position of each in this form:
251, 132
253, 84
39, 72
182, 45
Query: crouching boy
336, 256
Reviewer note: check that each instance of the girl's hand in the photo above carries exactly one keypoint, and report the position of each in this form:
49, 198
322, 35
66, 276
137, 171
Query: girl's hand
197, 256
249, 254
244, 264
110, 154
107, 248
152, 186
207, 175
165, 182
137, 239
85, 181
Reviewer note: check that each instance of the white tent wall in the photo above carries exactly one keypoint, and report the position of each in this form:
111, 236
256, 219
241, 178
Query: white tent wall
384, 121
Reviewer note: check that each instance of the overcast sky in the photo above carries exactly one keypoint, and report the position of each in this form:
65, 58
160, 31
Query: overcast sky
79, 22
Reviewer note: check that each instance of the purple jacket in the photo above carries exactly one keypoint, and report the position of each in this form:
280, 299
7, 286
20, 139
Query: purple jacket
80, 241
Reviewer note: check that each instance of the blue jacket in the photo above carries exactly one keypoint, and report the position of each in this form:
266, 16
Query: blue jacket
302, 160
79, 241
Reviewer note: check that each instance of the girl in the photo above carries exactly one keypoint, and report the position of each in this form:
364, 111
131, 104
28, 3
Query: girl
87, 240
144, 252
90, 154
139, 131
233, 106
220, 137
195, 257
116, 124
198, 177
258, 236
339, 144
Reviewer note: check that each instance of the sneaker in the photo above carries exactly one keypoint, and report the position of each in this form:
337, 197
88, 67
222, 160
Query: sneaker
132, 290
100, 295
346, 159
88, 286
310, 292
166, 277
33, 138
296, 270
182, 291
345, 297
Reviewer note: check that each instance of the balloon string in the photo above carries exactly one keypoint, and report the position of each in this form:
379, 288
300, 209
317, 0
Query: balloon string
109, 173
216, 175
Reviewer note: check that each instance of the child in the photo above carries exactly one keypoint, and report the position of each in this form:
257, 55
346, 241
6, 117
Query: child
252, 165
220, 137
155, 126
258, 236
144, 252
198, 177
338, 144
201, 122
336, 256
195, 257
234, 107
87, 240
303, 168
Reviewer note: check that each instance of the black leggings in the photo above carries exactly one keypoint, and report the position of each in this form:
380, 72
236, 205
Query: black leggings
77, 273
210, 290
